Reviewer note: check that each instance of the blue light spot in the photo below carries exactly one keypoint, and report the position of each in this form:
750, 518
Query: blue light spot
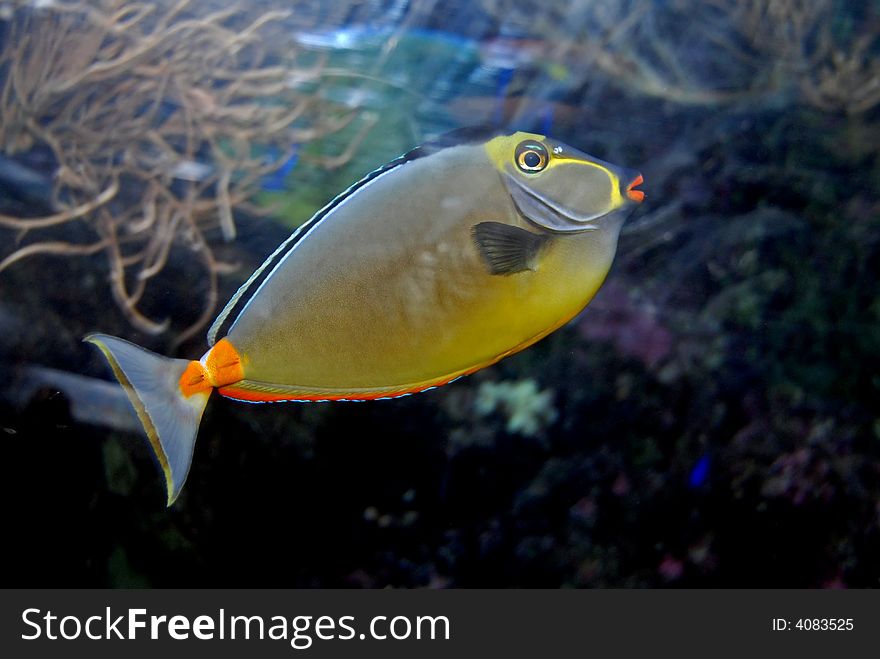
699, 473
547, 120
277, 180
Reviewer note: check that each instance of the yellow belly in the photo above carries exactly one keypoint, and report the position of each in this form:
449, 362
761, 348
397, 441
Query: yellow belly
419, 325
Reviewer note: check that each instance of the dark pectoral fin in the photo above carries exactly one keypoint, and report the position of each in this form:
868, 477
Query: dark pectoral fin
507, 249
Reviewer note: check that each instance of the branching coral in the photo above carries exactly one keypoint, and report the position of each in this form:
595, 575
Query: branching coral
652, 48
846, 80
835, 68
160, 117
713, 52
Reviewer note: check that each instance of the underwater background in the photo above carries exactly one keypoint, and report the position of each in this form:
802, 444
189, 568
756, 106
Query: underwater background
712, 419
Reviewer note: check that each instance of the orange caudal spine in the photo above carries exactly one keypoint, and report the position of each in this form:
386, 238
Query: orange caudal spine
221, 366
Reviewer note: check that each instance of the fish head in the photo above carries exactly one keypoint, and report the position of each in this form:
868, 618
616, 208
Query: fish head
560, 189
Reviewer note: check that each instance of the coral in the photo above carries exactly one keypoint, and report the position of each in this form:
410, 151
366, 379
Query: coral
846, 80
528, 410
718, 52
633, 328
158, 117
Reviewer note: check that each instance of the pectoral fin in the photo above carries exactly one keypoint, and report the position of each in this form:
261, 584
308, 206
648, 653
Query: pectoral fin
507, 249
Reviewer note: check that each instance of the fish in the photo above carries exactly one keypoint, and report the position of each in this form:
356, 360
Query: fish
92, 401
464, 250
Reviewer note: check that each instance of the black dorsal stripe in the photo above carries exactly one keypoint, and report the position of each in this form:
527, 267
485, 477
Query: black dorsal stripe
237, 303
457, 137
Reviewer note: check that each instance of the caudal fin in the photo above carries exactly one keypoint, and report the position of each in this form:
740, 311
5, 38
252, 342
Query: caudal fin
170, 418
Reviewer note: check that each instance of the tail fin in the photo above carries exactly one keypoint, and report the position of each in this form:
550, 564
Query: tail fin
170, 418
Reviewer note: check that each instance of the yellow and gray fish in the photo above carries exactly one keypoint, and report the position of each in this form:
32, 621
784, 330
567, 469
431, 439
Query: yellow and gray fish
442, 262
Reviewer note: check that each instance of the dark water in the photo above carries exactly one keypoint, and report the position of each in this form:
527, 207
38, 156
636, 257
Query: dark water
709, 420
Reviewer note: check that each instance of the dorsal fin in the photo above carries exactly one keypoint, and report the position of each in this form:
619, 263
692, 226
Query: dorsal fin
457, 137
236, 304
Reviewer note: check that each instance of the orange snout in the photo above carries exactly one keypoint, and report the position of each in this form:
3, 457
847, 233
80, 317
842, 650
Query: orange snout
635, 195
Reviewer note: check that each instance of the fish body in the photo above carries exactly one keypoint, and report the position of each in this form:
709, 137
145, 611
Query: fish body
440, 263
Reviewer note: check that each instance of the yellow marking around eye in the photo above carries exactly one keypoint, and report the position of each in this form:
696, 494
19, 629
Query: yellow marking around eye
501, 149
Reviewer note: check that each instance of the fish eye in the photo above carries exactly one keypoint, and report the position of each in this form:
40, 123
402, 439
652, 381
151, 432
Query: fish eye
531, 156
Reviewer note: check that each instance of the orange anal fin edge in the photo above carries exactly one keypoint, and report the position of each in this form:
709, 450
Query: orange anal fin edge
247, 395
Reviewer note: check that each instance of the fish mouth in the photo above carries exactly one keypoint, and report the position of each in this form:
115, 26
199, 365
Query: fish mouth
631, 189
